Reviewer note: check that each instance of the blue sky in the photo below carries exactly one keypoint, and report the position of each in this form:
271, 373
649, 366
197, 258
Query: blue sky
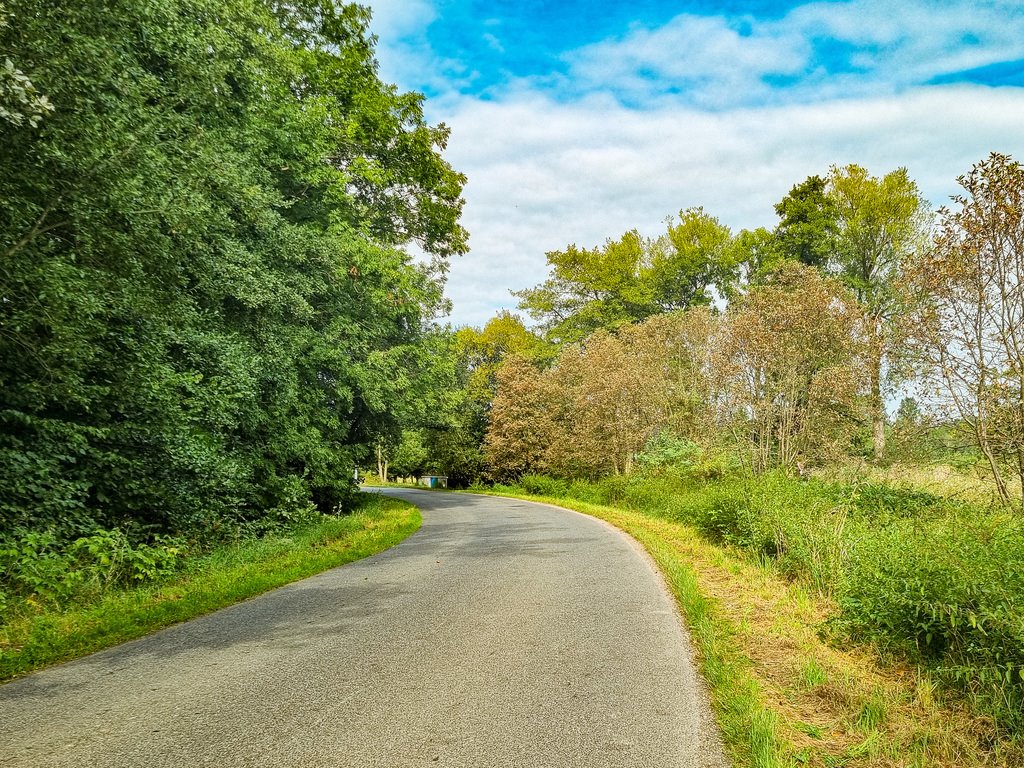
575, 121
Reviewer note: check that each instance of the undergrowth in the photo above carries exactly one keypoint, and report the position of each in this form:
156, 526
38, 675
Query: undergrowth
61, 602
922, 578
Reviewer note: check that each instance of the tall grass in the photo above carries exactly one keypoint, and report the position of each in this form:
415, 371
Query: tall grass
64, 603
937, 582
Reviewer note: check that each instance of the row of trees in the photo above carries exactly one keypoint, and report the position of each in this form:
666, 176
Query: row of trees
858, 289
849, 224
775, 380
207, 315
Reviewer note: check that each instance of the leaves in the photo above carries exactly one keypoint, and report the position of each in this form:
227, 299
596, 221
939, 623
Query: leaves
205, 315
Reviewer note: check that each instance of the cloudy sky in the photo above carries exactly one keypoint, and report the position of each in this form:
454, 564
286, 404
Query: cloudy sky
576, 121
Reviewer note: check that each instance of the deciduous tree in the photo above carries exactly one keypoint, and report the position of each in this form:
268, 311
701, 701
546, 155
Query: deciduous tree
588, 289
966, 324
879, 224
786, 368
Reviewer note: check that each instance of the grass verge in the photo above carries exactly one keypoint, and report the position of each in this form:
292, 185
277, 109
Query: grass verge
226, 575
785, 696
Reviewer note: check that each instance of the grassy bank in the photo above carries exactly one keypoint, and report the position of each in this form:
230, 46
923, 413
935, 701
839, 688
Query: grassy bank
767, 572
37, 632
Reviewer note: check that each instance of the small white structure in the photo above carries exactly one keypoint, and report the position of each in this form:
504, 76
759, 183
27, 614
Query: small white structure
433, 481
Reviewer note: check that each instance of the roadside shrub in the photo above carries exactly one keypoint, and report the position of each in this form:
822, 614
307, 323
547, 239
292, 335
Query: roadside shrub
949, 593
39, 565
883, 503
667, 455
666, 450
612, 489
581, 490
542, 485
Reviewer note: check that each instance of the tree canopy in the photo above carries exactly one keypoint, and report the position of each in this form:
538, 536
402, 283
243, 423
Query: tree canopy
208, 312
629, 279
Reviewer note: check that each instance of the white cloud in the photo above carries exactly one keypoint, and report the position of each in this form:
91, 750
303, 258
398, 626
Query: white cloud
916, 39
828, 50
714, 60
560, 161
544, 174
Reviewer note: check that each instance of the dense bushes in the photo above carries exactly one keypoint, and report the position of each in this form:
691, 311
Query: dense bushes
207, 315
41, 567
936, 582
950, 592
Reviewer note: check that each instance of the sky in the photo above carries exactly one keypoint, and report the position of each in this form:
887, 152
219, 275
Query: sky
577, 121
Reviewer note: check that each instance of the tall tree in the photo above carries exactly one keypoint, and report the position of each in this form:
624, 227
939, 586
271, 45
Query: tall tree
807, 226
880, 223
522, 423
630, 279
966, 323
589, 289
380, 166
205, 315
692, 260
786, 368
611, 400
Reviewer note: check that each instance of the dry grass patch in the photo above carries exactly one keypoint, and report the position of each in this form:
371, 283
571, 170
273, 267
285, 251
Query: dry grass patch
974, 486
836, 706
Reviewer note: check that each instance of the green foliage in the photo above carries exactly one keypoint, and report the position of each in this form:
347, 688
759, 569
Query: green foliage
542, 485
39, 566
668, 453
947, 593
692, 260
939, 583
629, 279
410, 457
591, 289
207, 320
807, 223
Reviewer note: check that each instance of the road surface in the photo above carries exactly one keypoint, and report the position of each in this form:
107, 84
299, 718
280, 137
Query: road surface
502, 634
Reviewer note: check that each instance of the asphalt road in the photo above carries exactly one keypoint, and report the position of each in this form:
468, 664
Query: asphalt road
503, 633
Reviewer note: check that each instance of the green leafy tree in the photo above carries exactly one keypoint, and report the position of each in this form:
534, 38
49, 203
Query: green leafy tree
380, 168
410, 456
601, 287
808, 225
880, 224
205, 314
628, 280
757, 256
693, 259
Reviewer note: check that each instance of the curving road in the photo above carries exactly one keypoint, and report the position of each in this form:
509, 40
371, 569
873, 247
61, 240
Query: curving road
503, 633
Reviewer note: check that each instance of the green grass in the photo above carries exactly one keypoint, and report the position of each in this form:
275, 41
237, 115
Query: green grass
39, 635
748, 726
785, 690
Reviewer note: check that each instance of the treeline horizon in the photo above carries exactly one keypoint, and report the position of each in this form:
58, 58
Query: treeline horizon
861, 289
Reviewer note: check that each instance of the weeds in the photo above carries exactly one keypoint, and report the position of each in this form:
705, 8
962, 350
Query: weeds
102, 590
898, 573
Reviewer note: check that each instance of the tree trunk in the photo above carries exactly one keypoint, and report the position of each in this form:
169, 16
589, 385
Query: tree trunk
382, 464
877, 405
